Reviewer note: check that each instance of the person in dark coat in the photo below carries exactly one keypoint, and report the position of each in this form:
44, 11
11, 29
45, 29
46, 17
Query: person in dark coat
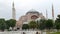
36, 32
23, 32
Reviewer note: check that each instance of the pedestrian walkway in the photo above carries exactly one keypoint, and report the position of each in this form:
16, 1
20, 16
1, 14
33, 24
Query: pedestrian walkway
22, 32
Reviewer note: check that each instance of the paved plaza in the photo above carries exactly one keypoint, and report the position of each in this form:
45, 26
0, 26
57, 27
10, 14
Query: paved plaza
20, 32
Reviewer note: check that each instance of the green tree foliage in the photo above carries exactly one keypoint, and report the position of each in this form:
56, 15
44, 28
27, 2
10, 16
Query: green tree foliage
25, 26
2, 24
32, 24
57, 23
42, 24
10, 23
49, 24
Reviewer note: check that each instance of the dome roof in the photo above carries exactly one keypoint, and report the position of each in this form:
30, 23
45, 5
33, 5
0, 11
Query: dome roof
32, 11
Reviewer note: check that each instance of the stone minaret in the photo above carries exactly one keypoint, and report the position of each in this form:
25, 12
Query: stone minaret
46, 14
13, 11
52, 12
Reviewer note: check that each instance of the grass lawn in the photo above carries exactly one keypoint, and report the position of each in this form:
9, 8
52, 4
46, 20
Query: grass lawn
56, 33
47, 32
53, 33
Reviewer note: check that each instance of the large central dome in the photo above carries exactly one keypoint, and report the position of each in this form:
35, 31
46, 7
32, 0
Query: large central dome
32, 11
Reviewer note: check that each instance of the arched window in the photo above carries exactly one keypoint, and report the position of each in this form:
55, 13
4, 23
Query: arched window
34, 17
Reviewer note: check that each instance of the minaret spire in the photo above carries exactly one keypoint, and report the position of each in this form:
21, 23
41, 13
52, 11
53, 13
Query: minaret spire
13, 11
46, 14
13, 4
52, 12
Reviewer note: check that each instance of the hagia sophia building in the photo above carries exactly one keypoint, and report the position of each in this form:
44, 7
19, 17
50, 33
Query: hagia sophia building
31, 15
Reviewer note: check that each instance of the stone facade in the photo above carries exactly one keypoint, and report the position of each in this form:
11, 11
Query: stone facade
30, 16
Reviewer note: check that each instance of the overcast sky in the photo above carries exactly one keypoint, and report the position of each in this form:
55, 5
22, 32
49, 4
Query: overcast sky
23, 6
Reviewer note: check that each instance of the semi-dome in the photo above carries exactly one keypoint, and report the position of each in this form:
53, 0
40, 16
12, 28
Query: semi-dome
32, 11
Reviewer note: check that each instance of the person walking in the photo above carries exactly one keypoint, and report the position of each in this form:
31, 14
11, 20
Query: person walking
36, 32
23, 32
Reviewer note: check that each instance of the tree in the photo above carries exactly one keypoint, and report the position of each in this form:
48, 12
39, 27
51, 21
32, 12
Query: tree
57, 23
2, 24
32, 24
42, 25
49, 24
25, 26
8, 24
11, 23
